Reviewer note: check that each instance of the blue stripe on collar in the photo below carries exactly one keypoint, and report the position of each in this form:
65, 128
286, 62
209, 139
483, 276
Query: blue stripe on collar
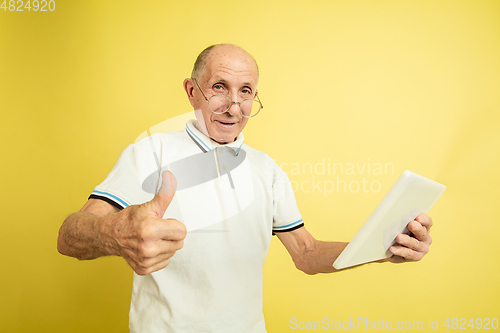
196, 138
204, 143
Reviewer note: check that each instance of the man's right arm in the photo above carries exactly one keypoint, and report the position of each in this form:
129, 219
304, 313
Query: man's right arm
137, 233
79, 235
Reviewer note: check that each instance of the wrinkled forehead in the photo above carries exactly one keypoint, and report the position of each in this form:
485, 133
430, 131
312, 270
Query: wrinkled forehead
230, 63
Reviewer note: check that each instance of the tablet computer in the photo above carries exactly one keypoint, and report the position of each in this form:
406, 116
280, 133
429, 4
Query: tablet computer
410, 196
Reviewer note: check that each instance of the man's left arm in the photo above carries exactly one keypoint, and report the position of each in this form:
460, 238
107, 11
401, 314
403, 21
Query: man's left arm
312, 256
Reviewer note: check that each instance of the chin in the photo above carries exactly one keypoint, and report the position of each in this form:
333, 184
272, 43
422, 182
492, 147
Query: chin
224, 138
221, 136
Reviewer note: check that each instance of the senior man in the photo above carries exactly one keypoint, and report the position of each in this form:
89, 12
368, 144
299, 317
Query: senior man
214, 281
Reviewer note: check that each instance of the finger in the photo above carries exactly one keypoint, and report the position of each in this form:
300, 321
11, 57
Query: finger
146, 265
420, 232
165, 194
157, 249
424, 220
140, 270
406, 253
407, 241
412, 243
160, 265
155, 229
171, 230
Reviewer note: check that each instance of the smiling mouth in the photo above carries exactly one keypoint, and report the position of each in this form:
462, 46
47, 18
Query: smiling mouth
226, 124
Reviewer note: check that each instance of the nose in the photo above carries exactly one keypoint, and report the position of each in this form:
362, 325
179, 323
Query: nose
234, 109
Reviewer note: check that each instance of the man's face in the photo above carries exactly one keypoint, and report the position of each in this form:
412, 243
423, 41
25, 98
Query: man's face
229, 72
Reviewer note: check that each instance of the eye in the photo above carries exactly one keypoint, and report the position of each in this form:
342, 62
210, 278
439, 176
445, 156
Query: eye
219, 88
246, 92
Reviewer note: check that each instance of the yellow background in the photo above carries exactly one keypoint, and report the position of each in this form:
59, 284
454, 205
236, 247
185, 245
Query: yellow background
412, 83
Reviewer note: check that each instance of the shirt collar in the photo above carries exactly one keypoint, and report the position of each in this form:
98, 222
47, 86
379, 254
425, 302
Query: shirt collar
206, 144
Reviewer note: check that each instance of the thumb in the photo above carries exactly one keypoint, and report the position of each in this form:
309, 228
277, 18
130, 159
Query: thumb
165, 194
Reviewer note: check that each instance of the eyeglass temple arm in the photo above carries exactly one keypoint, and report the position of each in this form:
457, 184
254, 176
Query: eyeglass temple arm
205, 97
261, 106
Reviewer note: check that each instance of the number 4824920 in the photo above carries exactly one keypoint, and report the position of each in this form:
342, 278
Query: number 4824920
477, 323
35, 5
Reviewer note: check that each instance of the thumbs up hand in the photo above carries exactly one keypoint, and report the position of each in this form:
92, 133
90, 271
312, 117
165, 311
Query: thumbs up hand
142, 237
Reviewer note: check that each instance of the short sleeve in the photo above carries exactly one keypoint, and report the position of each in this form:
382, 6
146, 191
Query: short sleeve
286, 213
124, 184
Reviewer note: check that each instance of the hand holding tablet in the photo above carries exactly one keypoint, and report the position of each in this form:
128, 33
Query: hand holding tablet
410, 196
415, 246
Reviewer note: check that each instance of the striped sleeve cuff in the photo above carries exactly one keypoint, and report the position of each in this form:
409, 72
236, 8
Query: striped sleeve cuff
109, 198
289, 227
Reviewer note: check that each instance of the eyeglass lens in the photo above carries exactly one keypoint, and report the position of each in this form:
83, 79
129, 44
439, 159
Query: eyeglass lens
220, 104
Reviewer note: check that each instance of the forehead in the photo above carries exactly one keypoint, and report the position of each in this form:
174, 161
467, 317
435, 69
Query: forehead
231, 65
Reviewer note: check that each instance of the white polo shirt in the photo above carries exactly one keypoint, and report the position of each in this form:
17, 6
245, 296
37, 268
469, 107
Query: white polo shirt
231, 202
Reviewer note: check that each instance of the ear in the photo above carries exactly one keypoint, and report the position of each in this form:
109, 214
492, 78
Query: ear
189, 88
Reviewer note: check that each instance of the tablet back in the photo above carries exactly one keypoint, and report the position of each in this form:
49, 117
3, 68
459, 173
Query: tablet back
411, 195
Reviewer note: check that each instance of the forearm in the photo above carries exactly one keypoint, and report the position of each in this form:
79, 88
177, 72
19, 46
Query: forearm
320, 256
81, 236
310, 255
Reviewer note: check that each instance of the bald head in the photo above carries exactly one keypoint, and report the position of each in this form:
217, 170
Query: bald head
216, 53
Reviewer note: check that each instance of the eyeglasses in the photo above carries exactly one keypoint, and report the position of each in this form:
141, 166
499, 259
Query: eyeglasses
219, 104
